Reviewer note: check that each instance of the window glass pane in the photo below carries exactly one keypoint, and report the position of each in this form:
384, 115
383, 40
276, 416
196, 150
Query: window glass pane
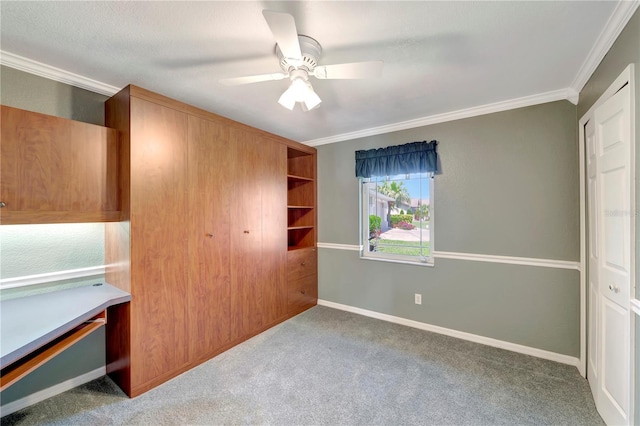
398, 215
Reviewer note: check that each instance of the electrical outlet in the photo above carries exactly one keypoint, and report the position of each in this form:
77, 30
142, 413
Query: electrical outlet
418, 299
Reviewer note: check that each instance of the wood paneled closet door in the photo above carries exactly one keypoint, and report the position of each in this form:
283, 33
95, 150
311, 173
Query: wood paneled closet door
258, 243
158, 241
209, 221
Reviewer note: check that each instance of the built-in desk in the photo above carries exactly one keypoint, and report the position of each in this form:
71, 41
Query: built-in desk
33, 329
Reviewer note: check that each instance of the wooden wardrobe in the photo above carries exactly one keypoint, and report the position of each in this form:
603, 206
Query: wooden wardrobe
217, 238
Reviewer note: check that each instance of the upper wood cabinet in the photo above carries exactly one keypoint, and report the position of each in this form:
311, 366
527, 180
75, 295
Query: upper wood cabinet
55, 170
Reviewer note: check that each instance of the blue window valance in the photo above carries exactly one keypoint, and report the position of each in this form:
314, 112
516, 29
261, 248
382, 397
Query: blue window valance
415, 157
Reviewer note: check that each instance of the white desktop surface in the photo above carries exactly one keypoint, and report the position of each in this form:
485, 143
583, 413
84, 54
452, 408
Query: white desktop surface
27, 323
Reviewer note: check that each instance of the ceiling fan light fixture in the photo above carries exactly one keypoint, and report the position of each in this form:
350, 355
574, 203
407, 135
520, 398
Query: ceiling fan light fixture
312, 100
296, 92
299, 90
287, 100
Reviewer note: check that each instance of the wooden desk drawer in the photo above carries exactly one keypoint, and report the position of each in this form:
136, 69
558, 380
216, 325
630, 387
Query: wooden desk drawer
302, 292
302, 263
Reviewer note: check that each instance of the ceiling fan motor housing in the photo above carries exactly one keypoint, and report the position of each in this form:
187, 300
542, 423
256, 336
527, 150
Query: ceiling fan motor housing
311, 52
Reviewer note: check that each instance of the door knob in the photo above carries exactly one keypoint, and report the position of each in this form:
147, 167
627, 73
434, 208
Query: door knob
2, 204
614, 289
246, 231
302, 264
210, 235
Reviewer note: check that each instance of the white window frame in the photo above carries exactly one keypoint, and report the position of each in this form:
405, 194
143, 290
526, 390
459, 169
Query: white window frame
365, 254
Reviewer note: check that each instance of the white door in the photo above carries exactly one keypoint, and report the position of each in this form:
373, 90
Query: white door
612, 241
593, 290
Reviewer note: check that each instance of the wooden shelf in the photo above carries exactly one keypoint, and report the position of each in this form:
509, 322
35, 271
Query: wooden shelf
301, 199
301, 236
300, 165
301, 193
293, 153
292, 248
299, 178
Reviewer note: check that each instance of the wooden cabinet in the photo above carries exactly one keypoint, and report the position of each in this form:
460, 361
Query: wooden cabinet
302, 279
56, 170
302, 294
203, 244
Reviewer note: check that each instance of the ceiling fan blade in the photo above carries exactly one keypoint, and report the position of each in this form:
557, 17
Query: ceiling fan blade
236, 81
283, 27
369, 69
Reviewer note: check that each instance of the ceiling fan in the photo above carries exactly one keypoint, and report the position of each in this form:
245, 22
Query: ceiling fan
299, 56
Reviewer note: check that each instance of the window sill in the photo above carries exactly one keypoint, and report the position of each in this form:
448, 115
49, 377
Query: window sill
429, 263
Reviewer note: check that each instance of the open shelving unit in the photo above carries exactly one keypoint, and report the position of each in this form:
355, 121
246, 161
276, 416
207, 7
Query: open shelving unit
301, 199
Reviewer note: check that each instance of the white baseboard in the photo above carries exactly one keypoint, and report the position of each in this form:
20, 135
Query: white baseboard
54, 390
540, 353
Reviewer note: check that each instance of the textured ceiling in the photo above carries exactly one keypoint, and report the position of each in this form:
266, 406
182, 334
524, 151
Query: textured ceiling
439, 56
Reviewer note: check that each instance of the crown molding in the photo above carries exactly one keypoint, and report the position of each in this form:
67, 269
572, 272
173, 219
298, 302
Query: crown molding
57, 74
541, 98
617, 21
52, 73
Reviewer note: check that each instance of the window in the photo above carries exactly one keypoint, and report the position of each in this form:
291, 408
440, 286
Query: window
396, 218
396, 202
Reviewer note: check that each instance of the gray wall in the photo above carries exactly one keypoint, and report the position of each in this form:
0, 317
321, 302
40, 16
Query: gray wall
40, 249
34, 93
30, 92
509, 186
624, 51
